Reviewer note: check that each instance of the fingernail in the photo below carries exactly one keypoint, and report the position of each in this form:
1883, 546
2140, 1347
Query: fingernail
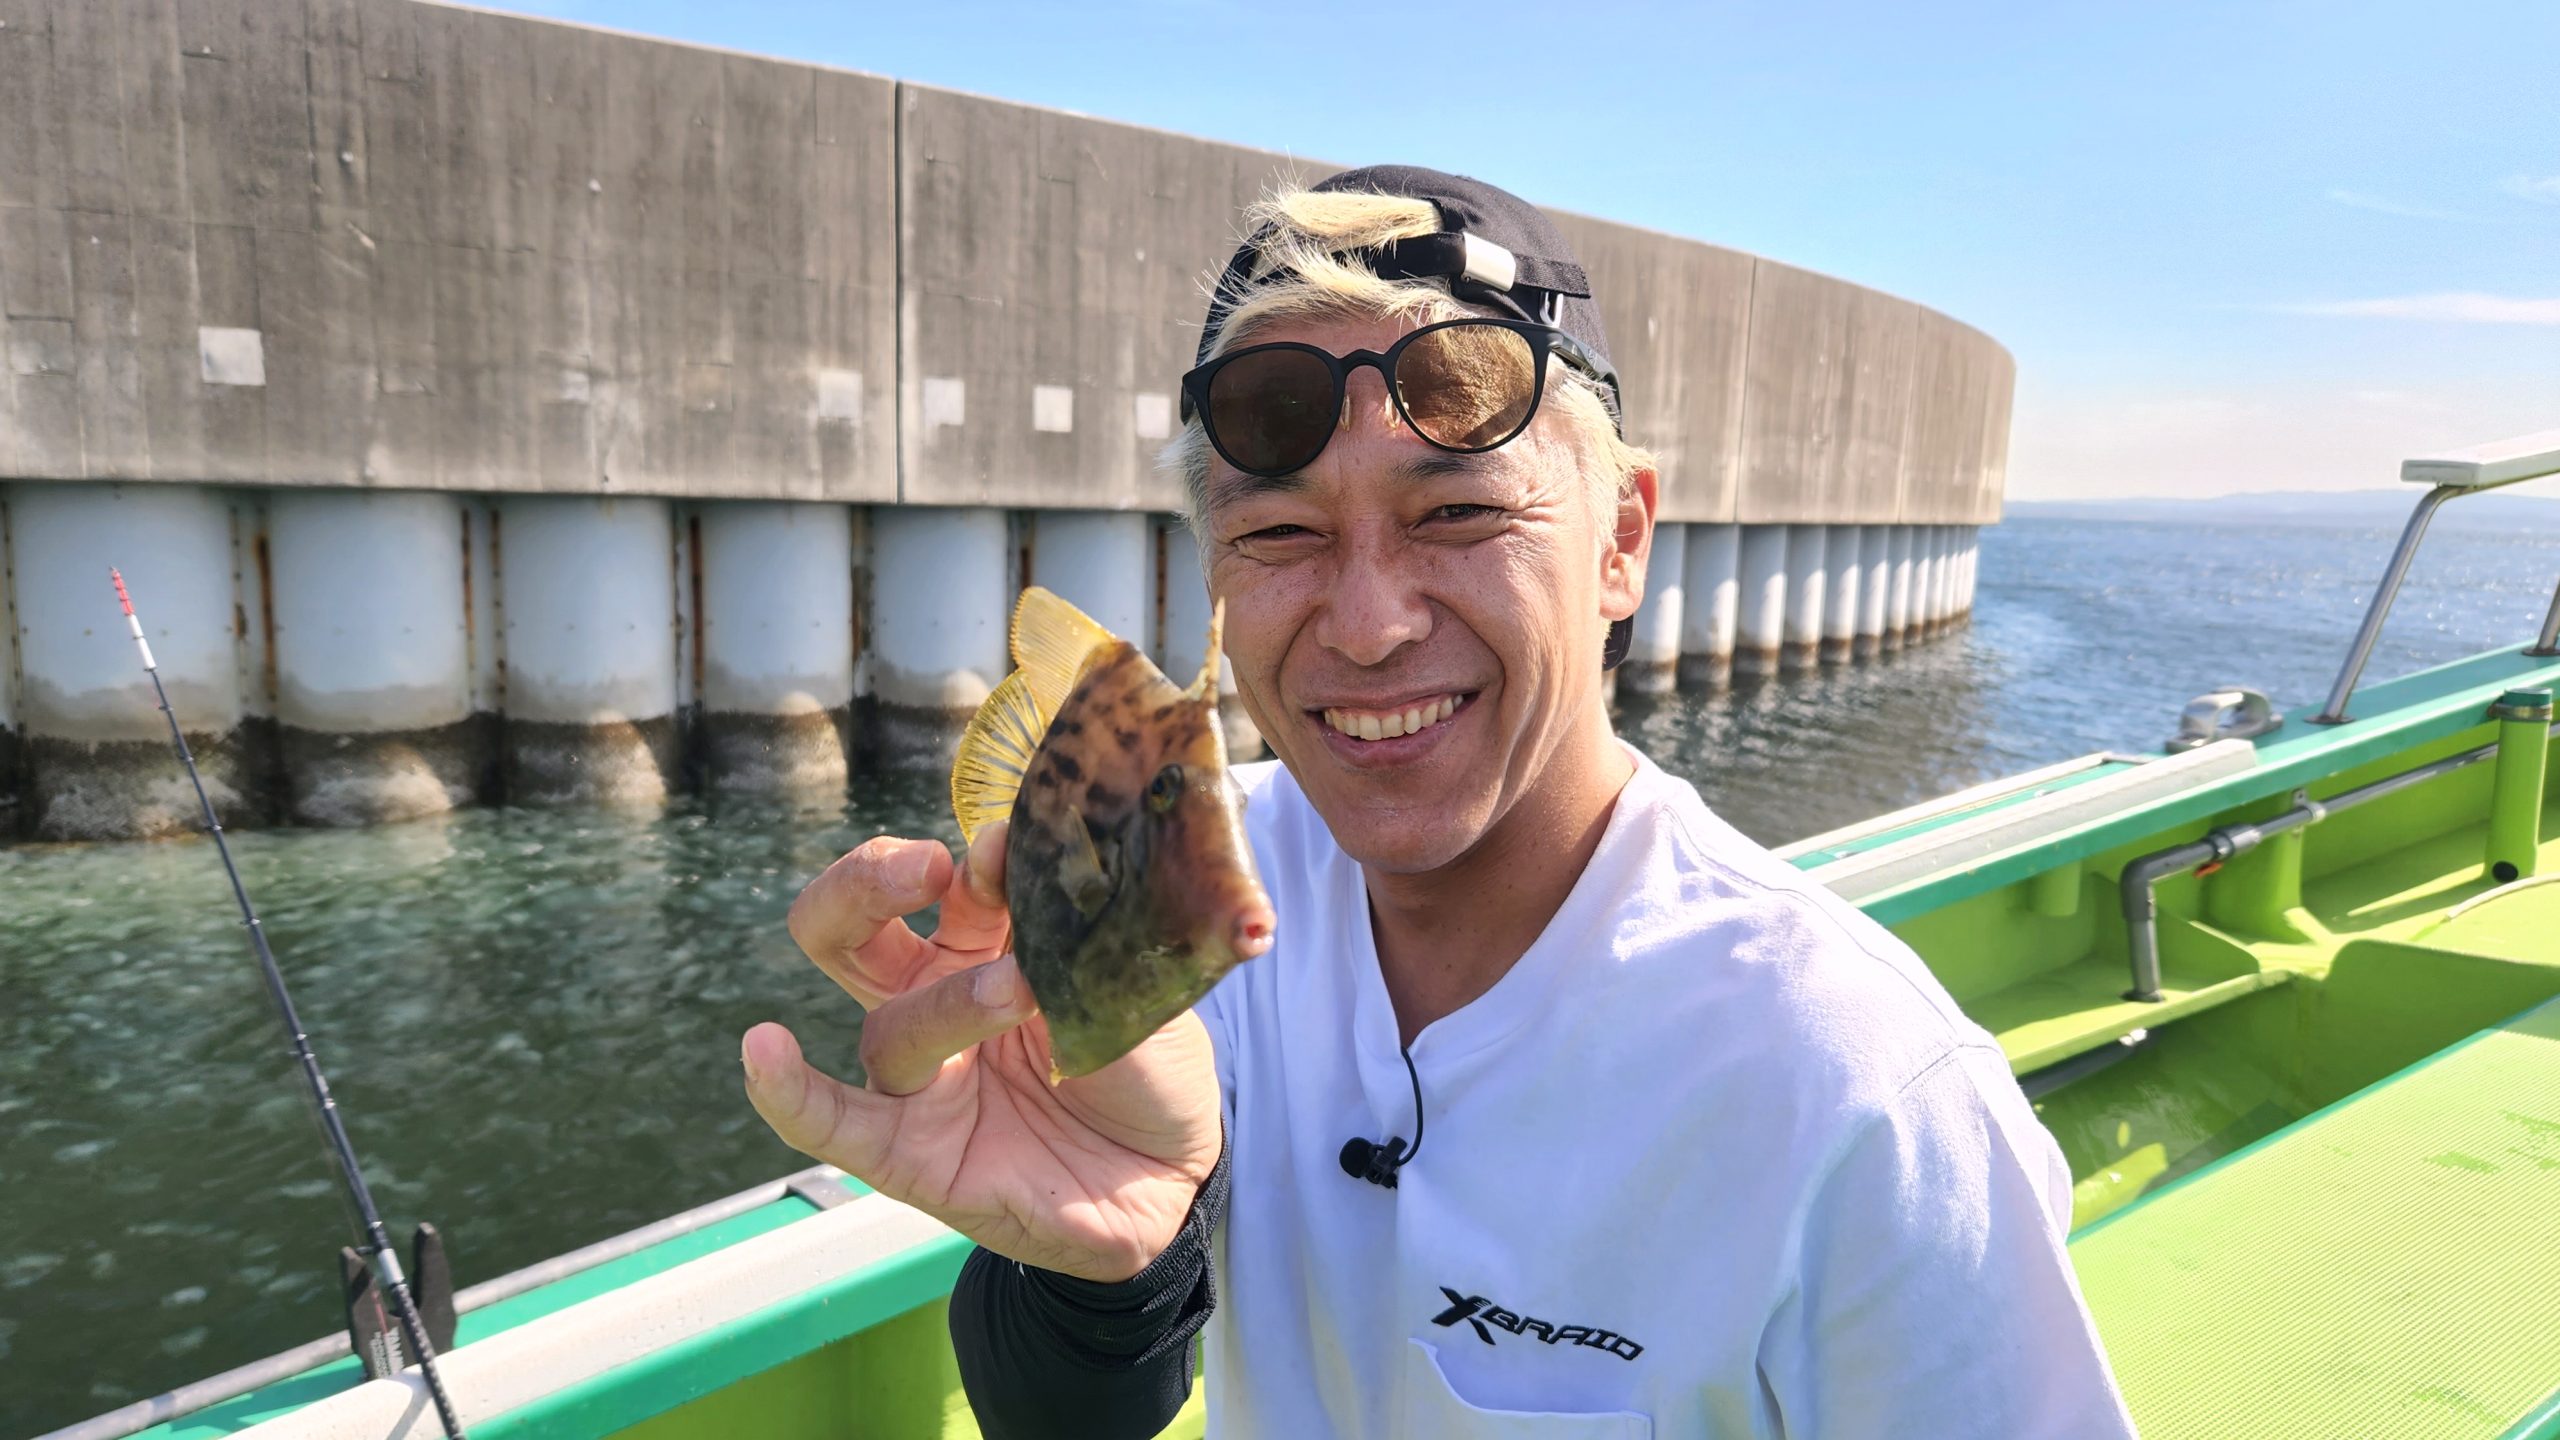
998, 985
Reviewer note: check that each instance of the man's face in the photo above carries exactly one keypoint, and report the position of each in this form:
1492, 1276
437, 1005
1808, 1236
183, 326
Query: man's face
1391, 587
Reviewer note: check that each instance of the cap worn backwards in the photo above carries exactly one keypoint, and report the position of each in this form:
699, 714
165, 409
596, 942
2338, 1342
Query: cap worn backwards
1495, 250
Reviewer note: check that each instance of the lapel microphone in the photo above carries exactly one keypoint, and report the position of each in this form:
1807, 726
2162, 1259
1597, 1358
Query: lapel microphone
1377, 1161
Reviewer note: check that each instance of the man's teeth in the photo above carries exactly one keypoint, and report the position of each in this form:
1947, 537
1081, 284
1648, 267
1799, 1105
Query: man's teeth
1388, 724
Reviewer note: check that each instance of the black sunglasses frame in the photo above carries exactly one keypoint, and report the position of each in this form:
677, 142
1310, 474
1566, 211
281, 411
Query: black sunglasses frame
1544, 340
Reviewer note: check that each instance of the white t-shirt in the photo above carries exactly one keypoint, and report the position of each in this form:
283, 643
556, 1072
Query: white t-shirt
1717, 1157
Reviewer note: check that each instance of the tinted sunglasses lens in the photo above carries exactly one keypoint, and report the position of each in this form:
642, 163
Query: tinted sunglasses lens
1271, 410
1468, 387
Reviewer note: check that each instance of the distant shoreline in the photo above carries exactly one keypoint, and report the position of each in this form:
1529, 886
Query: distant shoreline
2334, 507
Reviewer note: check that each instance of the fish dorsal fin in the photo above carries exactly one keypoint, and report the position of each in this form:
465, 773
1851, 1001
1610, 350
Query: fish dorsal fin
995, 753
1082, 872
1053, 642
1206, 687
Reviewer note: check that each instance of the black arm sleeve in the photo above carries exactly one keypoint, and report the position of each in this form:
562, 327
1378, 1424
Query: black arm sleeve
1044, 1354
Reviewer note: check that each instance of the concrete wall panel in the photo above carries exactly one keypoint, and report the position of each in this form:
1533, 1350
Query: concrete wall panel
1956, 438
1050, 250
456, 250
1677, 313
1831, 370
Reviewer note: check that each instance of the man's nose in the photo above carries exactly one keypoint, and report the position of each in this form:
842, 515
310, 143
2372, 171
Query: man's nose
1372, 609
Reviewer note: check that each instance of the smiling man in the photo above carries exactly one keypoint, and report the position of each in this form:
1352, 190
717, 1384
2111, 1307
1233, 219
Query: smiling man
1558, 1109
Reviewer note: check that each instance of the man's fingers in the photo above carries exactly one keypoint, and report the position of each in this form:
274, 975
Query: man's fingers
850, 920
814, 1113
973, 912
905, 1041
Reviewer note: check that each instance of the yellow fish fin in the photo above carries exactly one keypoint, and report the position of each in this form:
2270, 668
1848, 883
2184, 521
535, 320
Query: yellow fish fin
995, 753
1053, 641
1206, 687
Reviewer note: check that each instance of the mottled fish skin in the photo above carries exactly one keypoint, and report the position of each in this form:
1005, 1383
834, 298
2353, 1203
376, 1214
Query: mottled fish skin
1113, 957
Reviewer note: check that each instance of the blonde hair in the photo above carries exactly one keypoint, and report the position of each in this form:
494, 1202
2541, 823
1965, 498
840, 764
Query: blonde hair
1300, 236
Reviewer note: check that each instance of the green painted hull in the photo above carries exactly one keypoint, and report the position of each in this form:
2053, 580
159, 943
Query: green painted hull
2277, 1236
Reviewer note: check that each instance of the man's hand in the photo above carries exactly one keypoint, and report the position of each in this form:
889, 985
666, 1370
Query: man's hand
1091, 1177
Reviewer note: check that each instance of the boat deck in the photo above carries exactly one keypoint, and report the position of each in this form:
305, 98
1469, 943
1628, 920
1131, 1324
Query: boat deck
2387, 1266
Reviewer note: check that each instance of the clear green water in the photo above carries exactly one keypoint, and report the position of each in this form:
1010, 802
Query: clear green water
531, 1018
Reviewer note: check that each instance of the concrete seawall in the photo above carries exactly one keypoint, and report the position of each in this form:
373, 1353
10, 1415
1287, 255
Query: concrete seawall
490, 408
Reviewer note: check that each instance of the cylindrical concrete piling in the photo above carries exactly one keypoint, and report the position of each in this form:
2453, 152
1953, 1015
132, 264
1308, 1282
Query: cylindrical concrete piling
1843, 567
942, 589
1972, 571
776, 640
1806, 593
96, 750
1897, 613
1927, 571
1710, 605
1184, 642
1759, 649
372, 643
9, 737
1950, 563
590, 649
1103, 563
1875, 559
1652, 665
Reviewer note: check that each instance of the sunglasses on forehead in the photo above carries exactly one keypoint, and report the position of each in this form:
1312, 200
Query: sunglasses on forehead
1465, 386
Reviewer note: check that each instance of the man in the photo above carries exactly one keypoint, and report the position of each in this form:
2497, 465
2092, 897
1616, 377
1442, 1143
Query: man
1694, 1147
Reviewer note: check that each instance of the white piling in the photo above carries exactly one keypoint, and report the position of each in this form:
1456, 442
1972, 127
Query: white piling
1950, 573
1924, 583
1806, 593
776, 628
1759, 647
373, 655
590, 647
1710, 605
1875, 584
1843, 569
1103, 563
942, 589
1897, 614
1972, 572
1652, 665
95, 748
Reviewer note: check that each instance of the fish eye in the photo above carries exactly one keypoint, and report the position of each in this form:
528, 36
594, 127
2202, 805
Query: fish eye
1166, 788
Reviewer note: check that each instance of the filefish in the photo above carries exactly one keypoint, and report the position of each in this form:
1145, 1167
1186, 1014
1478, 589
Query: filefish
1127, 874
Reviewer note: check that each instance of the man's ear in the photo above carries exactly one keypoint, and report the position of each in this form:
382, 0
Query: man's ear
1630, 549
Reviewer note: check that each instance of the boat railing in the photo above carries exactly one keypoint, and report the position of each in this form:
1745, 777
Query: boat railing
2137, 884
822, 1186
2475, 471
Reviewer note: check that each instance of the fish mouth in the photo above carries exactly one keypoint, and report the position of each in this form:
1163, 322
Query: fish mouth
1413, 717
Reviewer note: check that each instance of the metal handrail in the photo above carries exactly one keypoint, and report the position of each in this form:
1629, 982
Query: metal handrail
2135, 887
2488, 467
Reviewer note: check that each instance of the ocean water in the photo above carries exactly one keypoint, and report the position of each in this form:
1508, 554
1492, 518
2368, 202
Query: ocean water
531, 1018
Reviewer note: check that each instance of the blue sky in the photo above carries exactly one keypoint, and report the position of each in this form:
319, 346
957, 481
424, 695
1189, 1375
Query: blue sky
2233, 246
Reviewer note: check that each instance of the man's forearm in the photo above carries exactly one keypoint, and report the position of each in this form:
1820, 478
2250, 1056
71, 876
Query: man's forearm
1043, 1354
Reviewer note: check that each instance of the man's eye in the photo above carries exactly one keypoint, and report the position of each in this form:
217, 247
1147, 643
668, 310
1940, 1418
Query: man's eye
1273, 532
1463, 512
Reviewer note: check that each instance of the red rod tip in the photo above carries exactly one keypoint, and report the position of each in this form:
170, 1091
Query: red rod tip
121, 597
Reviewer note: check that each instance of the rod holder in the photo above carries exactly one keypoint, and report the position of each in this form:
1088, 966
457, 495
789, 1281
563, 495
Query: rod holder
2515, 792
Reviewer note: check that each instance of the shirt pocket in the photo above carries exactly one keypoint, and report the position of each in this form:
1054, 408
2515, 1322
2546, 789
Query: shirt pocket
1433, 1409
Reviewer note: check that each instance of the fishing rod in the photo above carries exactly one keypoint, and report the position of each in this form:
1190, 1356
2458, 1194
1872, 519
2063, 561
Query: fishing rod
385, 1261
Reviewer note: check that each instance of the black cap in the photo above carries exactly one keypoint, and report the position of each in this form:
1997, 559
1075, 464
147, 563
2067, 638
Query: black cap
1496, 250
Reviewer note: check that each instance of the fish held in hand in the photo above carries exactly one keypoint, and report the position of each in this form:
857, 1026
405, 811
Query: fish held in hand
1127, 874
